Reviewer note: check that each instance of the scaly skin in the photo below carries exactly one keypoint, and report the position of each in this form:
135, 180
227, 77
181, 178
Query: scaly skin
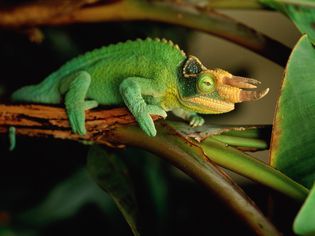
149, 76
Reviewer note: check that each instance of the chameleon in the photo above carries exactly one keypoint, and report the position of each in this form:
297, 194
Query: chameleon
148, 76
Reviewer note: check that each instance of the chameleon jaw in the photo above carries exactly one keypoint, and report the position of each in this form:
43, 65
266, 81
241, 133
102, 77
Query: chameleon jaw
206, 105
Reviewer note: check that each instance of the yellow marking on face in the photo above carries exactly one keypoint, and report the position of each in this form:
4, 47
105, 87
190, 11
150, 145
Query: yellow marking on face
229, 93
209, 105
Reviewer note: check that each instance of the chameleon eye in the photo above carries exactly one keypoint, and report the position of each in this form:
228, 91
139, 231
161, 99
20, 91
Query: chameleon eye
205, 84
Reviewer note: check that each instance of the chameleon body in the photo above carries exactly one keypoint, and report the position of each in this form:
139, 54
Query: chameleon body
150, 77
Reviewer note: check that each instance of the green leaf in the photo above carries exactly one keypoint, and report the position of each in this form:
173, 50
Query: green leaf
109, 172
252, 168
292, 150
304, 221
157, 184
301, 12
65, 200
4, 231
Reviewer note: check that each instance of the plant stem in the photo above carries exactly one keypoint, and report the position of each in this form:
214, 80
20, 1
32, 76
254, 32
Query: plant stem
254, 169
241, 141
257, 133
229, 4
190, 159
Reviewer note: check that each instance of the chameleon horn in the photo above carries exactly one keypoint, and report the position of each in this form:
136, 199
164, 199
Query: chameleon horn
252, 95
241, 82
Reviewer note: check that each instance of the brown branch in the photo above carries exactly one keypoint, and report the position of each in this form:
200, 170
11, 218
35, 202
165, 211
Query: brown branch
172, 12
37, 12
49, 121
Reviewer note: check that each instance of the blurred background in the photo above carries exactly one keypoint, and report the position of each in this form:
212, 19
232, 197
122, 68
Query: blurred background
44, 189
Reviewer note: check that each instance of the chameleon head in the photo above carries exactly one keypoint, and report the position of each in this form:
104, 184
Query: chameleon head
214, 91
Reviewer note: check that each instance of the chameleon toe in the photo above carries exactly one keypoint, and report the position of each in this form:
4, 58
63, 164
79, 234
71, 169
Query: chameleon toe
156, 110
147, 126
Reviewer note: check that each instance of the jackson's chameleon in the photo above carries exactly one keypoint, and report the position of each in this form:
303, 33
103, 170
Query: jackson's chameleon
150, 77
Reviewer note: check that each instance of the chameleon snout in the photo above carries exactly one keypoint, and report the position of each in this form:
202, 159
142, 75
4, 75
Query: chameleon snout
237, 89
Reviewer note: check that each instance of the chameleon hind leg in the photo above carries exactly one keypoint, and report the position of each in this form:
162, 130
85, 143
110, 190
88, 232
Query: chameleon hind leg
132, 89
75, 89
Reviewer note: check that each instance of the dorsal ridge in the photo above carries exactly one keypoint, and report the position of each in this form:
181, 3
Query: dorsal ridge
167, 42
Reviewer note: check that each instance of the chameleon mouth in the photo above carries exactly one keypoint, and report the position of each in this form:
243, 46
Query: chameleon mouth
206, 105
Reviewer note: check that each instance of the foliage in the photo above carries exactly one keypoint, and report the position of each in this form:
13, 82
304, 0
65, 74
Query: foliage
111, 175
294, 156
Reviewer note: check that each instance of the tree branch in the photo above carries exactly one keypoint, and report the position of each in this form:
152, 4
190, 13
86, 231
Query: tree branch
194, 16
48, 121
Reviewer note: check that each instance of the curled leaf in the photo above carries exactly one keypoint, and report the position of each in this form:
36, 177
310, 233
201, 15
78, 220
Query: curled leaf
109, 172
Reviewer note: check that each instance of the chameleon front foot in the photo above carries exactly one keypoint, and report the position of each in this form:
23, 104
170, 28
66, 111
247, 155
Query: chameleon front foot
145, 121
75, 88
77, 121
76, 116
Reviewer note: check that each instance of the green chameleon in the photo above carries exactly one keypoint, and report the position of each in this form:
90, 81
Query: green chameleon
150, 77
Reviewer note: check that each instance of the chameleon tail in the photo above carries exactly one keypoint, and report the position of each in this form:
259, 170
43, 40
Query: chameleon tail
25, 94
45, 92
12, 138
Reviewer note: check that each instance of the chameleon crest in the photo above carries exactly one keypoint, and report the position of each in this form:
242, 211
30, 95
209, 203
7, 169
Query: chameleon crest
192, 67
150, 77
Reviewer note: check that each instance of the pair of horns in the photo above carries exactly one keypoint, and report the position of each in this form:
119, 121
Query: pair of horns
239, 83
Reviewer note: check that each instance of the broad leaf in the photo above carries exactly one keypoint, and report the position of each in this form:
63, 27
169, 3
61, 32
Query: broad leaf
109, 172
293, 149
301, 12
304, 221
